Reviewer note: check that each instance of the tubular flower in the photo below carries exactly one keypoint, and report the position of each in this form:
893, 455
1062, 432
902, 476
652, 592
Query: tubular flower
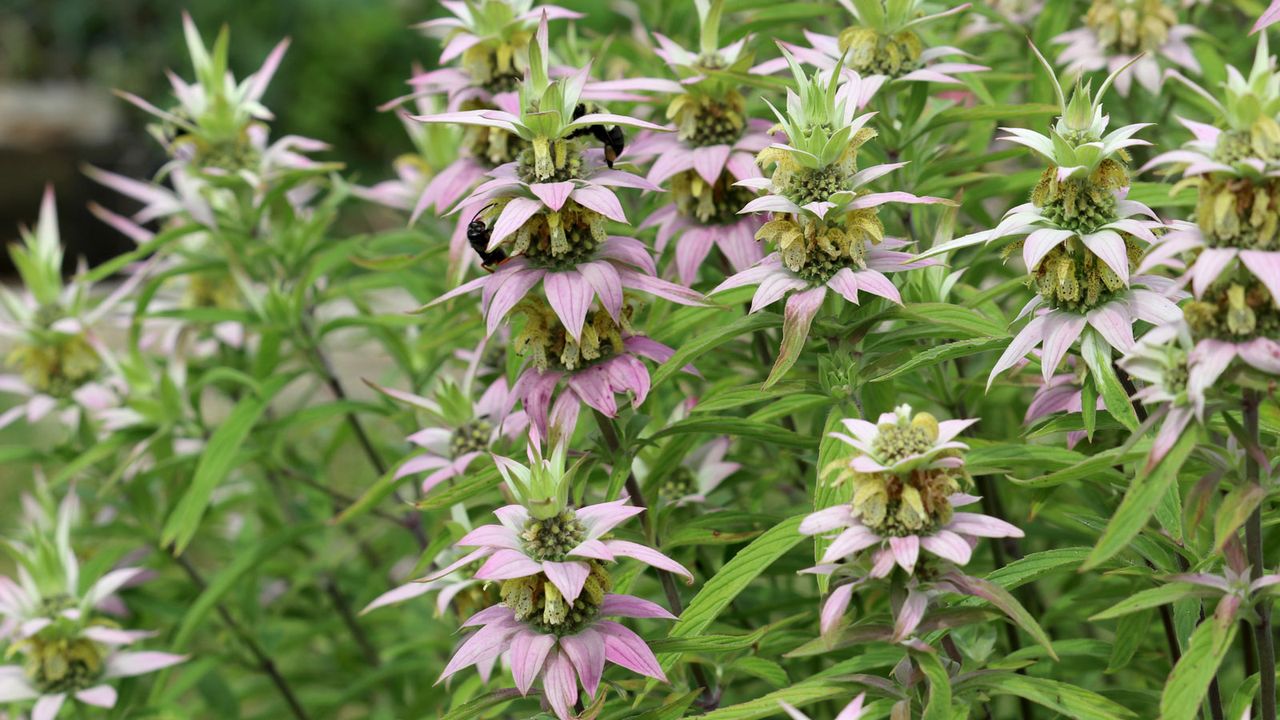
906, 477
549, 208
824, 219
60, 363
553, 654
700, 473
713, 146
545, 553
1082, 237
883, 42
603, 362
1118, 33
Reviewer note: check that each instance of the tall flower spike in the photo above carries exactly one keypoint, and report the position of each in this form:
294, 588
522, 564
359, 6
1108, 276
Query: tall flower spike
824, 222
882, 42
1230, 255
1118, 33
714, 145
1082, 236
546, 213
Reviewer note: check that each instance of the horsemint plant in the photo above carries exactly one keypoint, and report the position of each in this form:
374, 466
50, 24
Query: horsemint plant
545, 216
553, 562
824, 222
714, 146
1082, 241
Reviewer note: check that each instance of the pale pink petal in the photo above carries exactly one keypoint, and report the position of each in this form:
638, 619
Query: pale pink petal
553, 195
633, 607
568, 577
103, 696
906, 550
826, 520
981, 526
529, 651
560, 685
489, 641
48, 706
569, 295
1265, 265
648, 556
623, 647
709, 161
1060, 332
517, 211
910, 615
947, 544
129, 664
834, 607
507, 565
602, 200
852, 540
586, 650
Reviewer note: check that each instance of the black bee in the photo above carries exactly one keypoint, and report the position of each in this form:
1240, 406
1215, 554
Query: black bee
611, 137
478, 233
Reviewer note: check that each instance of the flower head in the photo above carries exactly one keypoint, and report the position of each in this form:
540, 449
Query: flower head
59, 360
698, 474
883, 42
906, 477
1117, 33
824, 219
553, 654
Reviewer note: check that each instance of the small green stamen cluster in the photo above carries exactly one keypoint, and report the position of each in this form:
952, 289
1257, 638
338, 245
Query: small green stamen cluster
557, 240
61, 664
818, 250
553, 538
549, 346
1234, 309
679, 483
703, 120
1131, 26
471, 437
715, 204
231, 154
909, 436
870, 52
534, 600
57, 366
1081, 204
1239, 212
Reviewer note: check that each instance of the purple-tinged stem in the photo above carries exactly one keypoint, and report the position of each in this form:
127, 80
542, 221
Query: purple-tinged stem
1257, 566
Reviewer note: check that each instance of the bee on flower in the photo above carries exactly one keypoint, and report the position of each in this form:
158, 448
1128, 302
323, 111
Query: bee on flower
824, 221
1119, 33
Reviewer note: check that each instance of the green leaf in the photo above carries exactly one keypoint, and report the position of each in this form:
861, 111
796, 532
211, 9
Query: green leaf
1131, 631
758, 667
799, 695
1146, 491
951, 317
710, 338
467, 487
1034, 566
733, 578
227, 579
479, 706
938, 706
1007, 603
1097, 355
1070, 700
942, 353
739, 427
671, 711
1147, 599
1234, 510
216, 461
1189, 681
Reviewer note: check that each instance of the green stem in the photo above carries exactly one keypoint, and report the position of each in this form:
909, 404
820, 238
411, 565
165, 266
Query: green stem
1257, 565
710, 694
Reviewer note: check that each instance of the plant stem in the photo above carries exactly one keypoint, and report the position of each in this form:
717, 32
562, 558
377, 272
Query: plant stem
1257, 564
710, 694
265, 663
